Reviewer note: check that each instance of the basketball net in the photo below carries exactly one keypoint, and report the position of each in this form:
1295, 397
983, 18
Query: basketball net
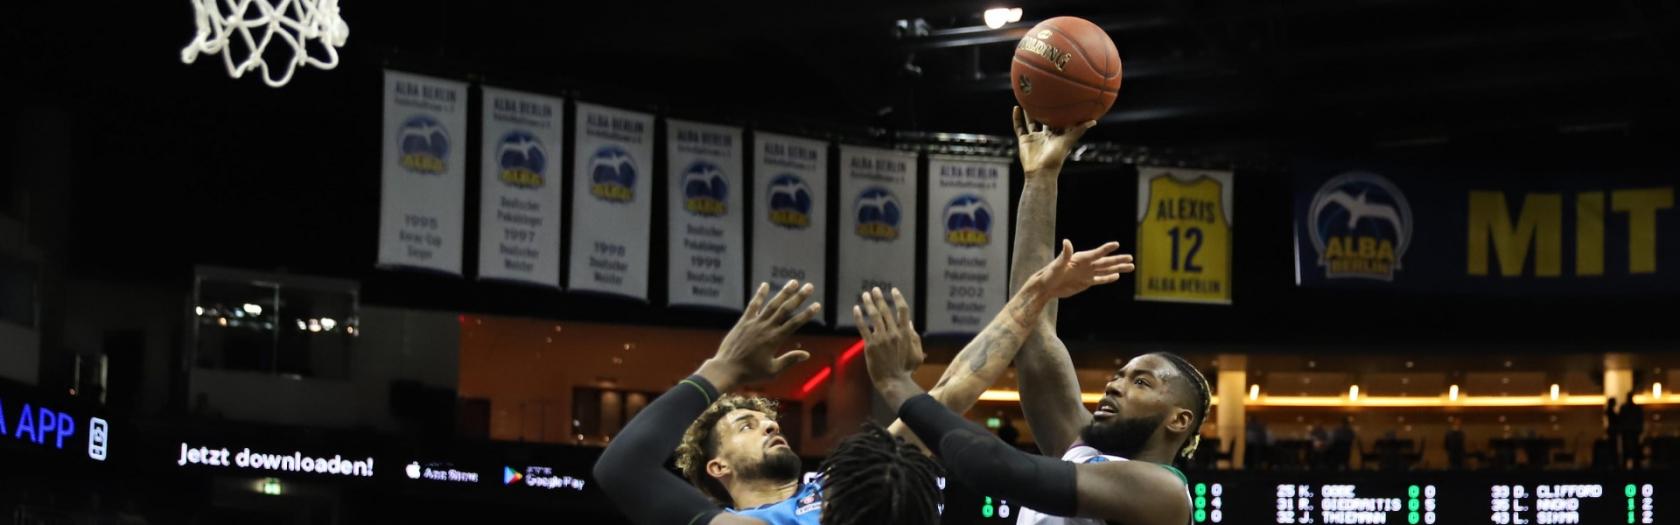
258, 23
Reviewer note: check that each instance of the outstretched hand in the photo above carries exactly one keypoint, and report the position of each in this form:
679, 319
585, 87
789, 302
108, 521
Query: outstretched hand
1042, 148
748, 353
891, 347
1074, 272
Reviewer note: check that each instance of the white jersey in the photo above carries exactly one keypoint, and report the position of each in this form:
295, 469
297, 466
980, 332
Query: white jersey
1080, 453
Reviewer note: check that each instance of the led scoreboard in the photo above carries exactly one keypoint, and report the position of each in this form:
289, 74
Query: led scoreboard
1405, 498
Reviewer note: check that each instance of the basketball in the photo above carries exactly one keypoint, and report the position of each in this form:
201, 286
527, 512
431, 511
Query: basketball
1066, 71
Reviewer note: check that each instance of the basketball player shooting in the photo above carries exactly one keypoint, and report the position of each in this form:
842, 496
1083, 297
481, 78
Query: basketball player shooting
1152, 408
1116, 461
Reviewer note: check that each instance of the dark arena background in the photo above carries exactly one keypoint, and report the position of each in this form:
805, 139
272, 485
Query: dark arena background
1459, 242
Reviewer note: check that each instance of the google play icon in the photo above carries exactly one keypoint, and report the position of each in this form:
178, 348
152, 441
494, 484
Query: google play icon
511, 476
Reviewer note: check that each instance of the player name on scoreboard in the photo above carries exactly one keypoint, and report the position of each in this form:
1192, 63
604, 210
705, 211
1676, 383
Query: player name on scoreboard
1553, 504
1429, 498
1344, 503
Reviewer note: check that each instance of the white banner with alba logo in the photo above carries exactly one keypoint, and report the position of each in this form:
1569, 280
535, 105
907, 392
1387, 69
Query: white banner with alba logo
611, 215
968, 242
877, 225
704, 238
519, 212
790, 211
421, 175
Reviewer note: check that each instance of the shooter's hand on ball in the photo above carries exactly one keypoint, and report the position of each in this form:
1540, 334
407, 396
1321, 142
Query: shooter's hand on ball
748, 353
1043, 149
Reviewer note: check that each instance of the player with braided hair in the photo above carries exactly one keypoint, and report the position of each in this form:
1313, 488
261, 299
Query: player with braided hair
1113, 464
1202, 398
863, 476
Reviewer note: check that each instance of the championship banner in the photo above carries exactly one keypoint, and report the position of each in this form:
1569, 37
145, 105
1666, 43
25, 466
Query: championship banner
877, 224
705, 214
968, 242
1447, 230
610, 208
422, 179
790, 211
519, 212
1184, 235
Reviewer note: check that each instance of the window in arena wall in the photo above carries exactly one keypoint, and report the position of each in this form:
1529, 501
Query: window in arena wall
288, 325
18, 282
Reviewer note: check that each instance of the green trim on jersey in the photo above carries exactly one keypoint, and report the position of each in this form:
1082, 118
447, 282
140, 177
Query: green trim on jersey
1178, 473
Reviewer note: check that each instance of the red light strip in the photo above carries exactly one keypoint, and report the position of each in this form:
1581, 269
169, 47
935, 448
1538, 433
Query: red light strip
851, 352
811, 384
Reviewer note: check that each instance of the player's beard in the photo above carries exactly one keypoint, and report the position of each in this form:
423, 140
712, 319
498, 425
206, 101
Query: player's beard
1124, 437
780, 464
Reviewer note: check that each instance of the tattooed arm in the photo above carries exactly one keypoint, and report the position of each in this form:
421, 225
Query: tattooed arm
985, 358
1049, 386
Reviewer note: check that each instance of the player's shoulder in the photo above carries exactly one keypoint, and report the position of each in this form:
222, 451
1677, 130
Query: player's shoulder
1085, 454
1154, 473
1159, 485
1166, 478
1082, 453
803, 508
1177, 474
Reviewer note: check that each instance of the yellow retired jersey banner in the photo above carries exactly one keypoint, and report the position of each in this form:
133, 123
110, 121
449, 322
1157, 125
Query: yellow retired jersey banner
1184, 235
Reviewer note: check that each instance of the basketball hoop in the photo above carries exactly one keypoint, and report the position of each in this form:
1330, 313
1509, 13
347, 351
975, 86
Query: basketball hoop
257, 23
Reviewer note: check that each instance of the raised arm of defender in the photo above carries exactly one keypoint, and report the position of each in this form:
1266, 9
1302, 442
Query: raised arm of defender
979, 364
631, 471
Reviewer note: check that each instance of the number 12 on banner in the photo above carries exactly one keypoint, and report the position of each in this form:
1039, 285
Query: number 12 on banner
1193, 237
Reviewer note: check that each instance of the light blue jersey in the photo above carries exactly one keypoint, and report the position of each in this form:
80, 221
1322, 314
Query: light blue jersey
804, 508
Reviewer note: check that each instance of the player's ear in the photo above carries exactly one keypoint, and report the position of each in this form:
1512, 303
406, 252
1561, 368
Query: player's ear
1179, 420
718, 468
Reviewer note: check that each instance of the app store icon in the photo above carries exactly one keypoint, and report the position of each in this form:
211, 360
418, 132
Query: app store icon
98, 439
